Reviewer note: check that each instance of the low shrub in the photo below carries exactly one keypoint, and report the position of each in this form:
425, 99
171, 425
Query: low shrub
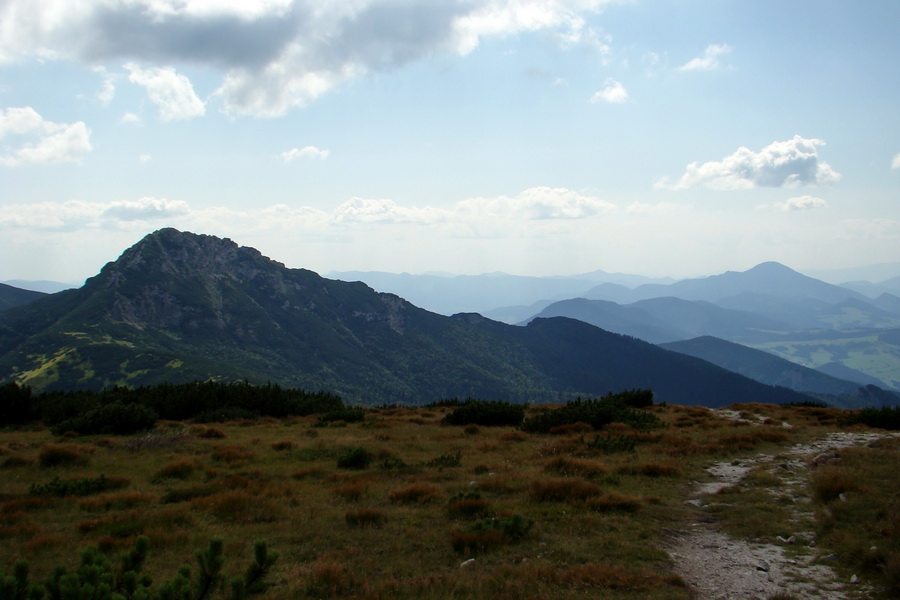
486, 534
612, 408
445, 461
652, 470
612, 444
355, 458
351, 414
115, 418
486, 413
84, 486
283, 446
886, 417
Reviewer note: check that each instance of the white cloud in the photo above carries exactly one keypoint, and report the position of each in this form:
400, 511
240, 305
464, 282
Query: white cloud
144, 159
895, 163
709, 60
43, 141
801, 203
130, 118
791, 163
108, 91
305, 152
170, 91
613, 92
145, 209
538, 204
276, 54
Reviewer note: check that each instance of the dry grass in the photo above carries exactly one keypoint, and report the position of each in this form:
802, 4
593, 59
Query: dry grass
388, 530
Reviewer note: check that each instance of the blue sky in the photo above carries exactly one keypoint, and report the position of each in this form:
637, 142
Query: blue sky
534, 137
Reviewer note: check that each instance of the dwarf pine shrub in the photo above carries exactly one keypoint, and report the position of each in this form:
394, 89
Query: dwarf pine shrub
355, 458
99, 578
486, 413
612, 408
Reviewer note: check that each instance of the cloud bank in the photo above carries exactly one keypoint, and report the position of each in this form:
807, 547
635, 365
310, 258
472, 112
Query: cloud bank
274, 54
533, 204
791, 163
37, 141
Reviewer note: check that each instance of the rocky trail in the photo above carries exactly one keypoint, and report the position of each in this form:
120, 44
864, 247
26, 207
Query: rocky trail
719, 567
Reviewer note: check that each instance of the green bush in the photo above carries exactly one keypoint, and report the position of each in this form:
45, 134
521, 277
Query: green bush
612, 408
84, 486
110, 419
886, 417
611, 444
355, 458
99, 578
486, 413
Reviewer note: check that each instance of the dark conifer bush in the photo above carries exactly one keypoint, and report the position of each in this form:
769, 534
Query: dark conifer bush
612, 408
486, 413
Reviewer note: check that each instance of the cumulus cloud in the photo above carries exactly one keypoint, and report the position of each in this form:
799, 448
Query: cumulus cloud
276, 54
801, 203
794, 162
613, 92
170, 91
39, 141
305, 152
895, 163
145, 209
709, 60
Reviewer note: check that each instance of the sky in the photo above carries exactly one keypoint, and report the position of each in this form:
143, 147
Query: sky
533, 137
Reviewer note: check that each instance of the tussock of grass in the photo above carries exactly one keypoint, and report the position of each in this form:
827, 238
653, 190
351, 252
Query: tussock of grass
416, 493
563, 490
578, 467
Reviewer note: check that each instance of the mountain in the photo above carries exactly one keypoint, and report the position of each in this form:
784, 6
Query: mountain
769, 279
762, 366
627, 320
12, 296
180, 307
451, 294
42, 285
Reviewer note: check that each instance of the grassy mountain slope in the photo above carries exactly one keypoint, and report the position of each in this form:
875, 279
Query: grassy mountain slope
12, 296
180, 307
765, 367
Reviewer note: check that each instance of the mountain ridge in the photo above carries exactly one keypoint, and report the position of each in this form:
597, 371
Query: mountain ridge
179, 306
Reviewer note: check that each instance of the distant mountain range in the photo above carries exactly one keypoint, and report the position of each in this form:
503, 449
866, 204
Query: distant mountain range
180, 307
770, 307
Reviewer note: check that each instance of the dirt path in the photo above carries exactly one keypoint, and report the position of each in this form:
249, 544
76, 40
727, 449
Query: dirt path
718, 567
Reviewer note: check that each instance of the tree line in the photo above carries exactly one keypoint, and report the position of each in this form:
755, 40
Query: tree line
123, 410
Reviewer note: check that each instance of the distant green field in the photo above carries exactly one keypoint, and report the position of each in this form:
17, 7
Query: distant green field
873, 353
